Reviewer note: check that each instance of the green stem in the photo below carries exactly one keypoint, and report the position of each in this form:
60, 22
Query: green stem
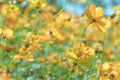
69, 75
61, 9
83, 34
104, 42
20, 67
37, 23
101, 56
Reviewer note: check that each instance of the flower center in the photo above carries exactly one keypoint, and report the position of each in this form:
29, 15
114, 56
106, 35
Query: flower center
94, 20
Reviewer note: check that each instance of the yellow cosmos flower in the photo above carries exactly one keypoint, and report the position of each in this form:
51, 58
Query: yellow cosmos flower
70, 55
95, 14
79, 52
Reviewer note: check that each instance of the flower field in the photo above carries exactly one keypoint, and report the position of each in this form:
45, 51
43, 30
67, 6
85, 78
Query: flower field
43, 41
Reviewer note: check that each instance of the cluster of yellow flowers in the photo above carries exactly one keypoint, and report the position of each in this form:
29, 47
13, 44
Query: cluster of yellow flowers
30, 46
53, 58
11, 12
79, 51
40, 35
110, 71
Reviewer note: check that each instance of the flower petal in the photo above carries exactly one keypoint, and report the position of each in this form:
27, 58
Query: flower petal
99, 13
101, 28
92, 10
88, 14
101, 22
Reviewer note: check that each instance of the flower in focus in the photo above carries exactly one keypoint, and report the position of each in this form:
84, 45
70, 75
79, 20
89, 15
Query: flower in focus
95, 14
80, 53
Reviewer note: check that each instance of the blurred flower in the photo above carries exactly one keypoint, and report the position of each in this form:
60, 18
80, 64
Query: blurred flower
11, 12
117, 10
4, 75
38, 3
7, 48
110, 71
23, 57
7, 33
31, 45
53, 58
42, 60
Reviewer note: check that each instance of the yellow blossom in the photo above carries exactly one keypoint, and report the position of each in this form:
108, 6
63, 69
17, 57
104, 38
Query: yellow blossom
4, 75
70, 55
7, 33
95, 15
80, 53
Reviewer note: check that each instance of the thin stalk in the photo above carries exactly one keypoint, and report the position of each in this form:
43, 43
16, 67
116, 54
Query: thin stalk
61, 9
104, 42
69, 75
83, 34
20, 66
101, 56
37, 23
